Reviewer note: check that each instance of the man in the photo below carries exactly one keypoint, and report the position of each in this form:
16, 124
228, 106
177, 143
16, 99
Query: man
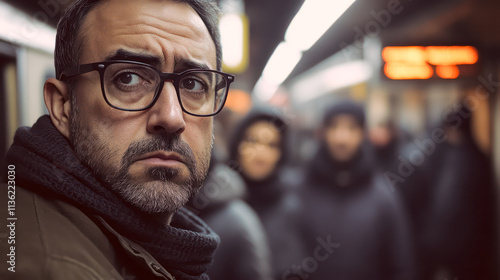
100, 184
346, 208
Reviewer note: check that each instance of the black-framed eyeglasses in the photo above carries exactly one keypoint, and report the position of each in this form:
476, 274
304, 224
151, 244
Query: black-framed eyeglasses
136, 86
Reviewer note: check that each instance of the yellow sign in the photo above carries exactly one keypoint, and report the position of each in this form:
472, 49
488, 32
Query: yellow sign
234, 38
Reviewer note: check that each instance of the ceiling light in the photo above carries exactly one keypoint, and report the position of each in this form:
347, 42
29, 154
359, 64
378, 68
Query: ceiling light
281, 63
313, 20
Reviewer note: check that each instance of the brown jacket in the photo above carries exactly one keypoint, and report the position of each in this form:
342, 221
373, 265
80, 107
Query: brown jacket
50, 239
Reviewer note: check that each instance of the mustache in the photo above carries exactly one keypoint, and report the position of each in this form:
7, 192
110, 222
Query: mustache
170, 143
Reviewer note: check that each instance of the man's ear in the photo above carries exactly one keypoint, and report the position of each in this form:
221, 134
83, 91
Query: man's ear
56, 95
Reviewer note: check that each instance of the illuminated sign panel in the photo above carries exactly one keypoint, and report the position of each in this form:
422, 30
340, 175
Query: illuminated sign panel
234, 30
421, 63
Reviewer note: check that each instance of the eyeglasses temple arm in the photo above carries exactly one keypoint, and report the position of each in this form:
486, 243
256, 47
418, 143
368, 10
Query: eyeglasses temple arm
79, 69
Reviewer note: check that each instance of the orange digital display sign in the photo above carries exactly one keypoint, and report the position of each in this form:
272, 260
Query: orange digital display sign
425, 62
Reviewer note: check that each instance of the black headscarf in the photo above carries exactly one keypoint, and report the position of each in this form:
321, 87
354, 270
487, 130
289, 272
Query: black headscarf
268, 188
271, 115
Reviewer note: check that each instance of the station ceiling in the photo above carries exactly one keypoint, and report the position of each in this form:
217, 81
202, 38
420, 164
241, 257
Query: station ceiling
421, 22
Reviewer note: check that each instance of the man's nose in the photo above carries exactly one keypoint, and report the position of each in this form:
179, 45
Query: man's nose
166, 115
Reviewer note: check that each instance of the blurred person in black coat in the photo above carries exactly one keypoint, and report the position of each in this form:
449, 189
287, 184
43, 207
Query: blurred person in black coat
243, 253
451, 200
258, 150
349, 209
388, 140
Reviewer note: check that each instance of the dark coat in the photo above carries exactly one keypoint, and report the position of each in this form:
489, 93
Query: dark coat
346, 205
243, 252
451, 199
277, 202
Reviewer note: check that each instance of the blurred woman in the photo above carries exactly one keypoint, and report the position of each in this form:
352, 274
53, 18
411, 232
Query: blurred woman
258, 152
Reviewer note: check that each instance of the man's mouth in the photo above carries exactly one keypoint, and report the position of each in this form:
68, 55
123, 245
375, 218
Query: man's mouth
161, 158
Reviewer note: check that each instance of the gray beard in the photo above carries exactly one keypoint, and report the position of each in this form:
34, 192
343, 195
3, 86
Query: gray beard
159, 194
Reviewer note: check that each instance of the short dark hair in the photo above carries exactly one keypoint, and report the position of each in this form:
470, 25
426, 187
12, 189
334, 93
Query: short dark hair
69, 39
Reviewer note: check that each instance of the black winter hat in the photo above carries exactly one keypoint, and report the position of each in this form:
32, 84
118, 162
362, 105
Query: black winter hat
345, 107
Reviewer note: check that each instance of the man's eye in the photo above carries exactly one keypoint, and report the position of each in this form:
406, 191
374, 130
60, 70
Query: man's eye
192, 85
129, 79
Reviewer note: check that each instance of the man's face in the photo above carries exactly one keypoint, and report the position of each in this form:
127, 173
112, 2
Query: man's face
154, 159
343, 137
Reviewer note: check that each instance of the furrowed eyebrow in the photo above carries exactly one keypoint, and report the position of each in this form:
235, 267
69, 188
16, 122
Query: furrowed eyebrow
122, 54
186, 64
155, 61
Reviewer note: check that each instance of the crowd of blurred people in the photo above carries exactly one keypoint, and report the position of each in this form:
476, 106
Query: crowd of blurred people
368, 204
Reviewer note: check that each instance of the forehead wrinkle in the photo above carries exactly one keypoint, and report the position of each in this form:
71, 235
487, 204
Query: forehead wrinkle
177, 37
163, 38
169, 58
184, 30
162, 29
188, 26
170, 30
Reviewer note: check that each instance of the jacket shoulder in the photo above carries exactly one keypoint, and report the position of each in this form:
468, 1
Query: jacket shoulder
53, 240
